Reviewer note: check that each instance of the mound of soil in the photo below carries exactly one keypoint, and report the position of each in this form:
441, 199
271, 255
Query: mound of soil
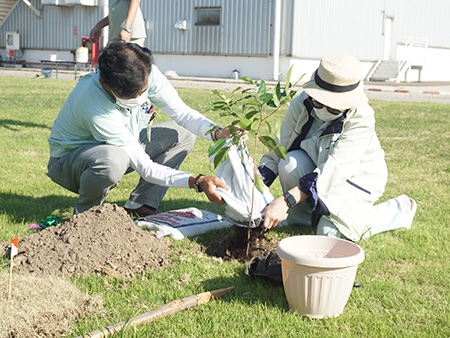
234, 246
103, 240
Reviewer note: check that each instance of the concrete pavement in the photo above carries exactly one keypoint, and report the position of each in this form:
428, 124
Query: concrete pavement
386, 91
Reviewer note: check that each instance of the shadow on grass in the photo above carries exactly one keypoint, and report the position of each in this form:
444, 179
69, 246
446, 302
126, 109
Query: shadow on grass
13, 124
250, 290
31, 210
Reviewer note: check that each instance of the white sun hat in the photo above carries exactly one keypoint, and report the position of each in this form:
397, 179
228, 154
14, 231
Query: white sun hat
337, 83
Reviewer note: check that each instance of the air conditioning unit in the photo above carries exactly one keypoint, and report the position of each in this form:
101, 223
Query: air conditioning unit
12, 41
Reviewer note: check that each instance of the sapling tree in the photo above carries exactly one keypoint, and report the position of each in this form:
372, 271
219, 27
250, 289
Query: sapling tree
252, 108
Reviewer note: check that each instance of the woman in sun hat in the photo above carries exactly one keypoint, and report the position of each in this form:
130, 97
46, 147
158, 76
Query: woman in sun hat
335, 170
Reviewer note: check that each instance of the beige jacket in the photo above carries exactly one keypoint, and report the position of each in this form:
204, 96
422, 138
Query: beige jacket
351, 171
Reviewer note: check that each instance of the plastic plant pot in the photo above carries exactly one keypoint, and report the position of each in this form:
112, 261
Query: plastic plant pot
318, 273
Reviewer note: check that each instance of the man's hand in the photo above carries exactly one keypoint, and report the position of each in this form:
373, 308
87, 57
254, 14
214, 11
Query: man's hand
95, 34
124, 36
209, 185
225, 132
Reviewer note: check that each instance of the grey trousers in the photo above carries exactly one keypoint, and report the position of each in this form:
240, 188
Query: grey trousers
92, 170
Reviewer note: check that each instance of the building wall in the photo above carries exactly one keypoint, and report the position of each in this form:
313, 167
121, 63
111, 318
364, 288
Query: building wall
58, 27
358, 27
322, 27
244, 28
310, 29
418, 18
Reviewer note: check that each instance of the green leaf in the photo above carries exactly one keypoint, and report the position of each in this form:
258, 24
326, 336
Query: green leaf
249, 115
280, 151
268, 142
219, 105
209, 131
277, 95
233, 129
221, 156
268, 126
287, 82
253, 127
259, 184
250, 103
228, 113
278, 128
246, 79
245, 123
215, 146
237, 138
236, 89
235, 122
262, 88
271, 104
266, 97
216, 92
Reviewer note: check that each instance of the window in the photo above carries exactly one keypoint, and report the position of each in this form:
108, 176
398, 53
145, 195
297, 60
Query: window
208, 16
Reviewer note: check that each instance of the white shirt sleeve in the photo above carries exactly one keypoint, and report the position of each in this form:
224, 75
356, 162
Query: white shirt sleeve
154, 172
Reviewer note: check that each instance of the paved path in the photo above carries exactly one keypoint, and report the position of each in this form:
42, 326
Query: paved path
387, 91
411, 92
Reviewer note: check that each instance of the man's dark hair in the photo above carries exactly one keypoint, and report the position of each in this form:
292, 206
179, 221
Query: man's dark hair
125, 67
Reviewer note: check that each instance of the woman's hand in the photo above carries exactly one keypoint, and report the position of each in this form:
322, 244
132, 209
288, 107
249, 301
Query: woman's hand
275, 213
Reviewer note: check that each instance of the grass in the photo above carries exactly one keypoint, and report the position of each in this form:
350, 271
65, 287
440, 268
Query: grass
405, 274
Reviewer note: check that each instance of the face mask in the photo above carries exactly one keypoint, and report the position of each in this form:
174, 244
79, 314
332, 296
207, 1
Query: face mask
131, 103
325, 115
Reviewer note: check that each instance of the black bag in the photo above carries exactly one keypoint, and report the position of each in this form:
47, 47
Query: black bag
267, 266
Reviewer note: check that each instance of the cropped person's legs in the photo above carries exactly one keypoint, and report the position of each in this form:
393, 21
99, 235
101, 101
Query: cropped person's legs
327, 228
394, 214
91, 171
296, 165
169, 145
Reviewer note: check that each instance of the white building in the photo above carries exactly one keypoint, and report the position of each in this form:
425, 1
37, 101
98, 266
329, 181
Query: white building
395, 39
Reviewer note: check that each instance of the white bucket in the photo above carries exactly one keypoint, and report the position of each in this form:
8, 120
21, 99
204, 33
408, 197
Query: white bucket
52, 57
82, 55
318, 273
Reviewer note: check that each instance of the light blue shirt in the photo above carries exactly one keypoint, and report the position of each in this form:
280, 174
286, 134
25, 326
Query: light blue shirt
90, 115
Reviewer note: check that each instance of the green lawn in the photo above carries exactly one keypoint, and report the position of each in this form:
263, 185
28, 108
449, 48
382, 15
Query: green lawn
405, 275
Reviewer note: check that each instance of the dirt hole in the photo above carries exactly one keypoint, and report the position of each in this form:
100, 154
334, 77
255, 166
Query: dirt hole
234, 245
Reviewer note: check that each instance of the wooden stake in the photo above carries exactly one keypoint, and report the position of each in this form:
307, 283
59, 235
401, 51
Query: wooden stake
10, 278
161, 312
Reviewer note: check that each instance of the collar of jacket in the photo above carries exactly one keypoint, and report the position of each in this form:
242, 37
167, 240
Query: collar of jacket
335, 127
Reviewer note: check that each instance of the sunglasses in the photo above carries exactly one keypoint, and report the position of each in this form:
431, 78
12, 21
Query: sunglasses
319, 105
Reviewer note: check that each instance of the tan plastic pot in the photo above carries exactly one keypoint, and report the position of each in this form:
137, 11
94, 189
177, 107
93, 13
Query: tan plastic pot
318, 273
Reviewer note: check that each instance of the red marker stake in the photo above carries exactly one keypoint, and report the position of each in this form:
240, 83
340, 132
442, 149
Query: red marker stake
14, 251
